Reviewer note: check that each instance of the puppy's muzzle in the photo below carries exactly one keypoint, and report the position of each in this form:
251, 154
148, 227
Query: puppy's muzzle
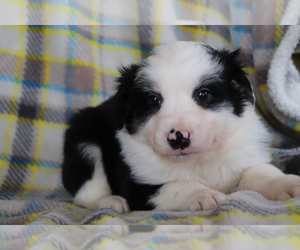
179, 139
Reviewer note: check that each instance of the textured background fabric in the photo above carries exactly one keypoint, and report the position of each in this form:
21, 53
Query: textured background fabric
49, 72
239, 221
132, 12
161, 237
240, 208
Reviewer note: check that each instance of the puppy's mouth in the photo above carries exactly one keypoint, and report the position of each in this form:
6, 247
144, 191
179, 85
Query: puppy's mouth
181, 155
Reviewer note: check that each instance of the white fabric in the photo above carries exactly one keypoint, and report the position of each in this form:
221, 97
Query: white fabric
283, 77
291, 15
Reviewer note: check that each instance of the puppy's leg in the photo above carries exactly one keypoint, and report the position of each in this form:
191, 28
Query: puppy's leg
95, 193
270, 182
186, 195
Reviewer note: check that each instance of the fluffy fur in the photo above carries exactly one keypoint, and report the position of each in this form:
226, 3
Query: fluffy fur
180, 133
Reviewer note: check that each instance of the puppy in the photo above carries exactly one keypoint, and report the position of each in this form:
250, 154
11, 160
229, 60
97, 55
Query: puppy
180, 133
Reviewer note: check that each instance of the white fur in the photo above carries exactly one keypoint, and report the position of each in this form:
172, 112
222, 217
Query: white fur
114, 202
270, 182
217, 165
95, 193
186, 195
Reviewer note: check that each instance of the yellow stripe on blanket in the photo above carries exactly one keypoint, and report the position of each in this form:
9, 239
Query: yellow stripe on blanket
297, 127
278, 10
66, 32
97, 79
28, 188
104, 46
197, 30
51, 10
198, 8
205, 218
62, 61
134, 6
249, 70
32, 240
158, 34
158, 11
227, 238
36, 122
263, 87
31, 218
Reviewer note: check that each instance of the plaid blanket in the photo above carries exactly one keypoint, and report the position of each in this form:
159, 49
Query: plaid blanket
240, 219
240, 208
133, 12
49, 72
162, 237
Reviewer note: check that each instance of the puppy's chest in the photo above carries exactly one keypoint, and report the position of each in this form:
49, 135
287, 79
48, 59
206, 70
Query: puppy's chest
223, 178
216, 176
219, 176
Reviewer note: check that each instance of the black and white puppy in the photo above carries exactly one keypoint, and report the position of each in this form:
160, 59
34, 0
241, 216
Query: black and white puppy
180, 133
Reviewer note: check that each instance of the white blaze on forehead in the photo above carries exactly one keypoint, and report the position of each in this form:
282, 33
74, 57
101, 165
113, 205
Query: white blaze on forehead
179, 66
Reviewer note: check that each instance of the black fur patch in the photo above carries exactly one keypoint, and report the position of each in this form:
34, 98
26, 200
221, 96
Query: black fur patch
133, 99
97, 126
293, 166
230, 87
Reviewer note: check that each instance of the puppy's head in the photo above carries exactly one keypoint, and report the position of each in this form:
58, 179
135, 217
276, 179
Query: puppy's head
184, 99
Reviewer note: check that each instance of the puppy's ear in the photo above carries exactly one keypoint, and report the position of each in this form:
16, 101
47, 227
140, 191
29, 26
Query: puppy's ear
239, 87
123, 102
239, 82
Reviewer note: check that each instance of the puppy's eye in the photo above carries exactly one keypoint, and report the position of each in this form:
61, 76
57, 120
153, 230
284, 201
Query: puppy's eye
204, 95
153, 101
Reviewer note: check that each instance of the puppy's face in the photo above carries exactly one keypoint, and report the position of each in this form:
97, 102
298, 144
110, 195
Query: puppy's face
183, 100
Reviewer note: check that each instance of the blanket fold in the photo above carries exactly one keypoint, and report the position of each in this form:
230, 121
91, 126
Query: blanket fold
240, 208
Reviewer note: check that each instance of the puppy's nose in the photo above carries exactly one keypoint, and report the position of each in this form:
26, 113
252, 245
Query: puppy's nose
179, 139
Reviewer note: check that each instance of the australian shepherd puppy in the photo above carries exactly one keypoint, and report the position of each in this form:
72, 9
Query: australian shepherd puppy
180, 133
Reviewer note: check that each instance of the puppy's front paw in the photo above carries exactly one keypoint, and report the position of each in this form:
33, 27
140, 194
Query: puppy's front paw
207, 199
284, 188
118, 203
